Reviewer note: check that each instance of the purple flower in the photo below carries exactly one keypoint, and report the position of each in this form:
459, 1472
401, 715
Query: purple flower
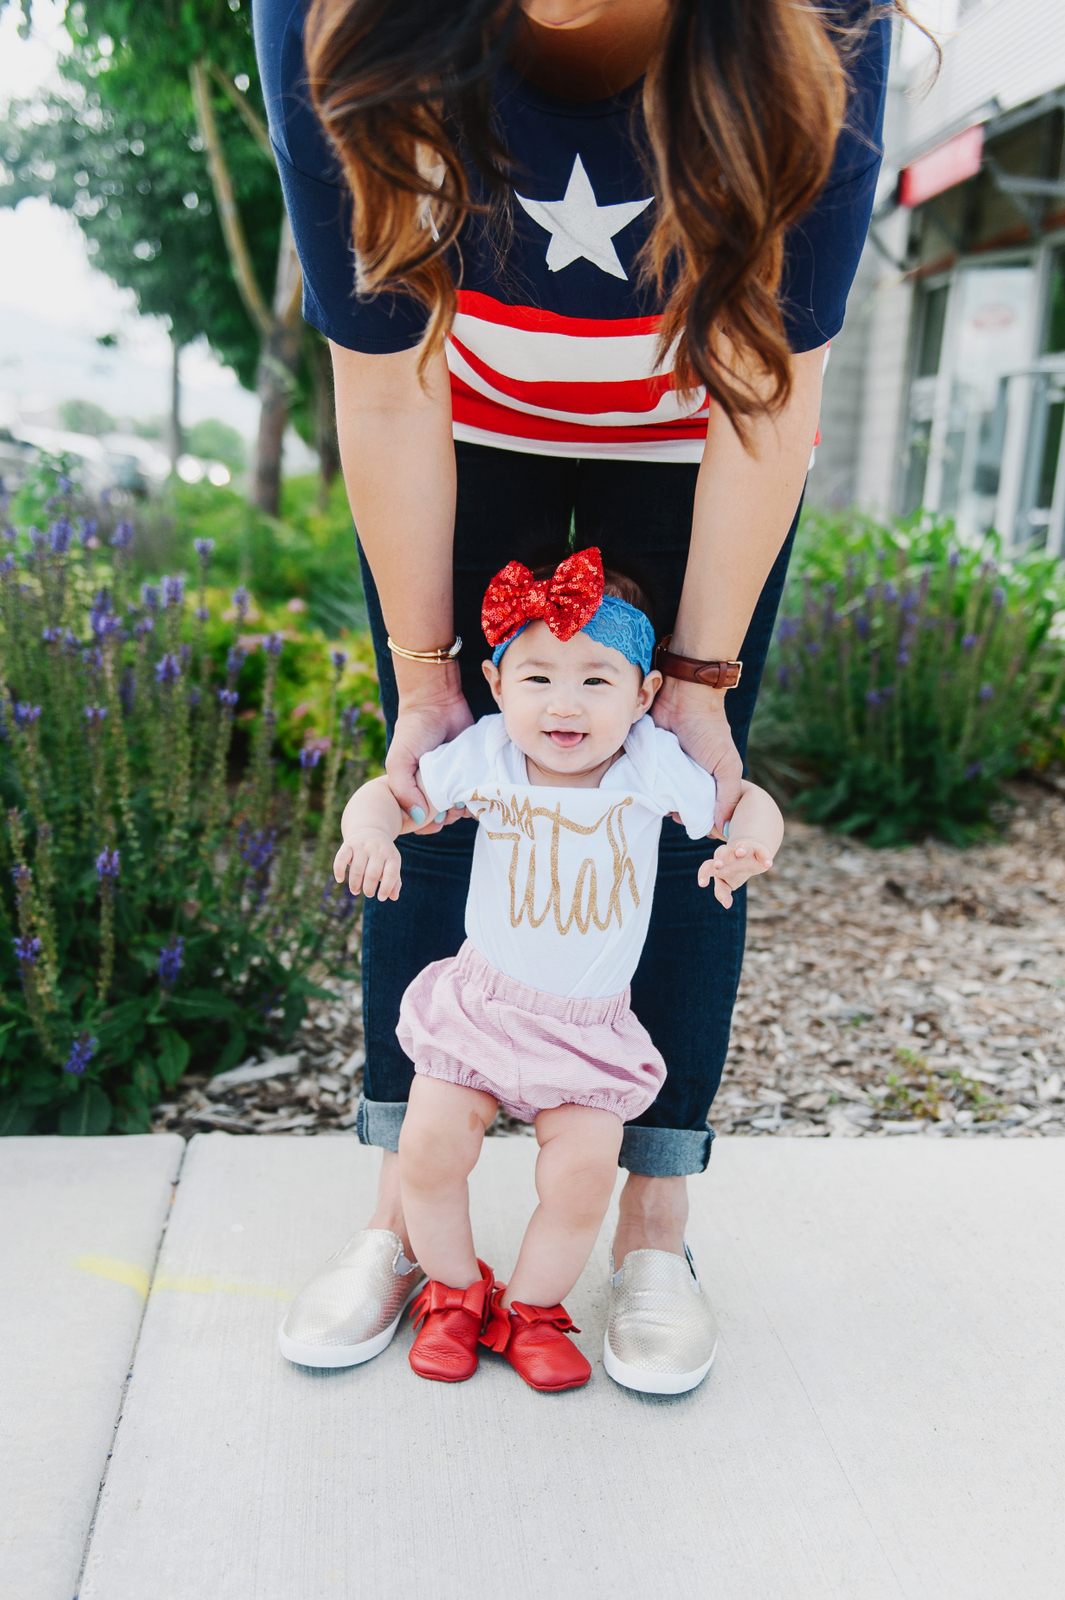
861, 625
339, 658
887, 691
202, 614
870, 593
228, 697
170, 962
92, 658
998, 596
52, 635
103, 623
274, 644
107, 864
203, 548
258, 849
813, 647
168, 668
150, 596
25, 714
783, 675
872, 697
881, 555
310, 758
891, 594
787, 628
953, 559
122, 537
350, 719
974, 770
7, 564
127, 690
236, 659
902, 657
986, 692
242, 600
968, 641
81, 1053
63, 484
59, 536
194, 698
37, 538
86, 529
94, 715
27, 950
173, 591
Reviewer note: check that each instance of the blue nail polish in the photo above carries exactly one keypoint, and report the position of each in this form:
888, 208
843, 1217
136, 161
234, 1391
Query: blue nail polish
440, 815
417, 815
724, 829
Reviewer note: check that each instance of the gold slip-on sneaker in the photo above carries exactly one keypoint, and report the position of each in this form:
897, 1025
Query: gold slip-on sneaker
351, 1308
661, 1334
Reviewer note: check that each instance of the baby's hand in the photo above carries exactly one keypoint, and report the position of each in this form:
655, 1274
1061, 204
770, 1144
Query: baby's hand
732, 865
372, 863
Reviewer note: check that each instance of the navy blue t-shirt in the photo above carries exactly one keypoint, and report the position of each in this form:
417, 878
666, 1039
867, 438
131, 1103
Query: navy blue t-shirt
553, 349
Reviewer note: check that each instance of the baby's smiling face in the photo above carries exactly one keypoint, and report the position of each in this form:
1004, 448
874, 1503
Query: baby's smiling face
569, 706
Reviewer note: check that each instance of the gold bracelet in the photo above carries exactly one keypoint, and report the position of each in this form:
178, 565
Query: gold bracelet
438, 658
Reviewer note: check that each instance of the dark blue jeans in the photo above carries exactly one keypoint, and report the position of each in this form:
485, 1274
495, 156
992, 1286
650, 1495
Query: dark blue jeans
512, 505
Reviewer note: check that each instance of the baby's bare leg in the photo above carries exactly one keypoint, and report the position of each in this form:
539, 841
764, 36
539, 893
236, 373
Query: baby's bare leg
438, 1149
575, 1175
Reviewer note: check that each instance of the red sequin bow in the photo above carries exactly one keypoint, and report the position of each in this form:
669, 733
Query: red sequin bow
566, 601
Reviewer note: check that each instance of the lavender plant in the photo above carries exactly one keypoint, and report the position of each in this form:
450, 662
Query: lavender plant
912, 682
156, 909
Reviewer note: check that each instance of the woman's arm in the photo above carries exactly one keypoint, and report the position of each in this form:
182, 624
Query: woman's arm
399, 468
744, 505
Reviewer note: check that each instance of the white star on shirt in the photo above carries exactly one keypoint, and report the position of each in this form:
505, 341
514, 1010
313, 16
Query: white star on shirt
581, 228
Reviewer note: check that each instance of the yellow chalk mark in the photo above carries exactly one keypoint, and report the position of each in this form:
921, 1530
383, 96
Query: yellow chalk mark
136, 1278
133, 1277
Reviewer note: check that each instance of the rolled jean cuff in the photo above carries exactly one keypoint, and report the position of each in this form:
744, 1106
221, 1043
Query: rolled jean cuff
379, 1122
651, 1152
665, 1152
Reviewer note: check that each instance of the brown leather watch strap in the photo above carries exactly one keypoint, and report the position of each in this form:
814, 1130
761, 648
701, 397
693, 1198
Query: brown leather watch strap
712, 674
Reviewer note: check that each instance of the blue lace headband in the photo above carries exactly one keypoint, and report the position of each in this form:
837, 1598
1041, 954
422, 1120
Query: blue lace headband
616, 624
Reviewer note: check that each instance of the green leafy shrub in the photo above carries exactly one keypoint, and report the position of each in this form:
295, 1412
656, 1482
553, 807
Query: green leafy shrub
910, 677
158, 908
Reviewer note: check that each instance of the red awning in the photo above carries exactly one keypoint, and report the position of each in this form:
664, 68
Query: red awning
948, 164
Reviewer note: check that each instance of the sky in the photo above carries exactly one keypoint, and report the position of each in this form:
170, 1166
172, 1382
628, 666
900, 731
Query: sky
54, 304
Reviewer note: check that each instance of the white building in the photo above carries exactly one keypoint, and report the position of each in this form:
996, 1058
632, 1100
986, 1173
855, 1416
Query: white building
946, 387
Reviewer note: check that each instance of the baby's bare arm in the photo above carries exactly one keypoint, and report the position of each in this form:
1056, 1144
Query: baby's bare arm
755, 834
370, 825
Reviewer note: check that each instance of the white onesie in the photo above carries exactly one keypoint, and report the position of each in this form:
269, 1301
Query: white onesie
563, 878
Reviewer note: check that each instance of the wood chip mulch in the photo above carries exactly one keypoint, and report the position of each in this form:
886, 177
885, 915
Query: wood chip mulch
884, 993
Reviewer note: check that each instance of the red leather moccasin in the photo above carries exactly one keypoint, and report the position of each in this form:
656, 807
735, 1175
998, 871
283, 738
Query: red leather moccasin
533, 1339
445, 1347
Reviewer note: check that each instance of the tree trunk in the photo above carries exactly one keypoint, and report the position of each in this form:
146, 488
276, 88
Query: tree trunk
276, 377
176, 438
325, 419
274, 382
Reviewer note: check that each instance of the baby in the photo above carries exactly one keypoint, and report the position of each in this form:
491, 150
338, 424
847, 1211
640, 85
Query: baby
569, 785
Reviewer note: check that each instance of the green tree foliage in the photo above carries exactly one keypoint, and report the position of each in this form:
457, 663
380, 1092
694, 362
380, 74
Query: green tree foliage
85, 416
156, 142
117, 145
213, 440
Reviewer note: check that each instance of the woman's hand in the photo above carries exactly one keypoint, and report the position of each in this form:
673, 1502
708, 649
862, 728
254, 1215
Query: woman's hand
432, 711
696, 715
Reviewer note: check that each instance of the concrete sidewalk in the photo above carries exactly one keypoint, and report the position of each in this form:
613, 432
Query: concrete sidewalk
885, 1417
80, 1225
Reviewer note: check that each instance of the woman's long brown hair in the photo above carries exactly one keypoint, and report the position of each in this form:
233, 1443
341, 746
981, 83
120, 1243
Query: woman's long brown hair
743, 102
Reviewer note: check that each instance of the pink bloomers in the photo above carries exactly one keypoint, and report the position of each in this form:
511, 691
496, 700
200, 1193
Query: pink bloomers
464, 1022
